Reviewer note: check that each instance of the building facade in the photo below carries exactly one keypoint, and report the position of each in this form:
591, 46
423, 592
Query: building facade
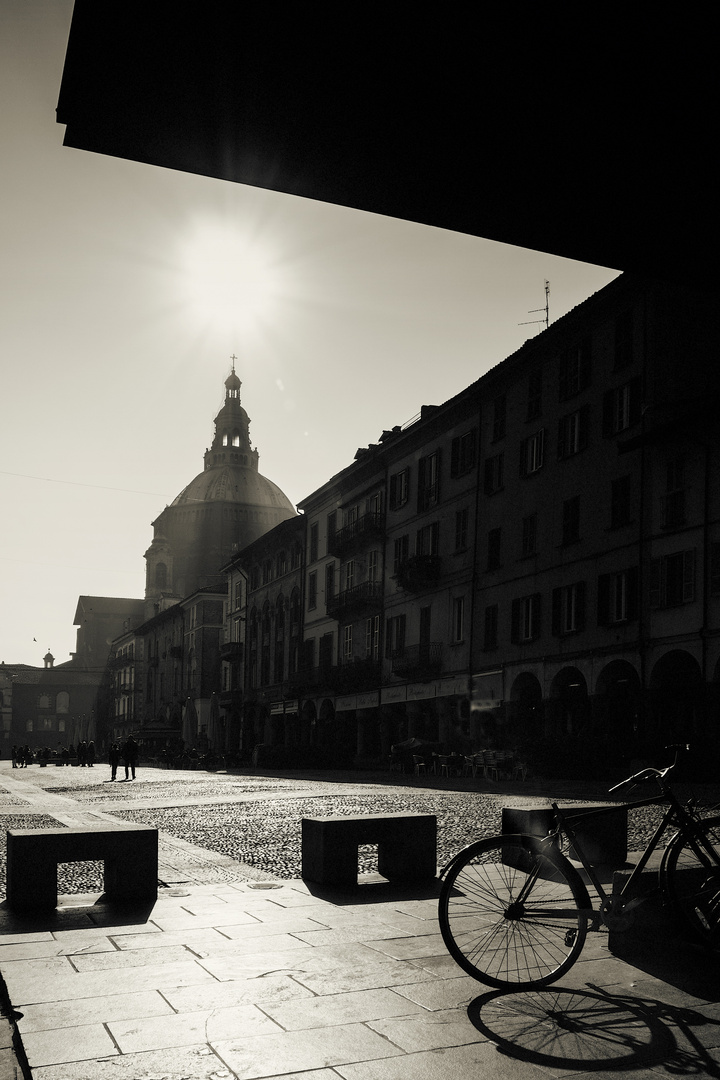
535, 564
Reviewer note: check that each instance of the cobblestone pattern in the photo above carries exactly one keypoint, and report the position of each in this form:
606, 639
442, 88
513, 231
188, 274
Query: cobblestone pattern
263, 833
267, 835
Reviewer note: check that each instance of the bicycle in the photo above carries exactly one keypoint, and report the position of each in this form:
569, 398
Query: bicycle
514, 912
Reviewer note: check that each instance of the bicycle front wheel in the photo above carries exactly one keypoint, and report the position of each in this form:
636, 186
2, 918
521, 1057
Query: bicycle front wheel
691, 878
513, 913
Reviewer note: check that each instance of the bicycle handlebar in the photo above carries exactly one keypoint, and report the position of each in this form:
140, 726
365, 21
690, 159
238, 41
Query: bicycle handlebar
651, 773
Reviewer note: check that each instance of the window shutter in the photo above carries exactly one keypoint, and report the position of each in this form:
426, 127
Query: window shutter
635, 400
633, 593
455, 457
562, 429
515, 622
421, 499
556, 611
393, 491
580, 606
608, 421
688, 583
584, 421
585, 363
603, 612
523, 457
715, 568
656, 590
537, 615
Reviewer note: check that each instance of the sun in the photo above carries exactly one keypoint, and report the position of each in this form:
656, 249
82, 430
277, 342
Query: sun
230, 278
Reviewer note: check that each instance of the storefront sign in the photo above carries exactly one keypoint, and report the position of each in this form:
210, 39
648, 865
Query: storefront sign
344, 704
420, 691
368, 701
447, 687
391, 694
276, 707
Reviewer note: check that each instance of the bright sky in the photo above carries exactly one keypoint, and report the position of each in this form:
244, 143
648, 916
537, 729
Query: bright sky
125, 289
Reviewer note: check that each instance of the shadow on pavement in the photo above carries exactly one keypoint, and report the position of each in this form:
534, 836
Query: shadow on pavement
595, 1030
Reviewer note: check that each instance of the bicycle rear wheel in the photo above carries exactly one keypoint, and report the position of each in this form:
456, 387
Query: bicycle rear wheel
513, 913
691, 878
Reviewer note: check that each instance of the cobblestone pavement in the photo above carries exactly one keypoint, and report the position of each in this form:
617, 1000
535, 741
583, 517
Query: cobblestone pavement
246, 826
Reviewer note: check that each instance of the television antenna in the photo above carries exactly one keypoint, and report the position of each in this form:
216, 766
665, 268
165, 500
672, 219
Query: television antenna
546, 309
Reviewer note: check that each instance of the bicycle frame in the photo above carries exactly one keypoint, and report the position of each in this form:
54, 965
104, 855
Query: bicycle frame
675, 815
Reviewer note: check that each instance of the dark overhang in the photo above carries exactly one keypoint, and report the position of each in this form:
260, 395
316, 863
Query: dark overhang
588, 141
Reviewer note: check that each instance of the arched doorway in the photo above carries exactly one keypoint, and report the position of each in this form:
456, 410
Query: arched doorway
525, 712
677, 699
569, 706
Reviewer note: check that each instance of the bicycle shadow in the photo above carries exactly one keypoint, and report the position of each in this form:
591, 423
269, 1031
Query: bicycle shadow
595, 1030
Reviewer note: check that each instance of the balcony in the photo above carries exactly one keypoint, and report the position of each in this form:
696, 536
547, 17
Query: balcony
354, 677
364, 597
370, 526
231, 651
418, 572
419, 663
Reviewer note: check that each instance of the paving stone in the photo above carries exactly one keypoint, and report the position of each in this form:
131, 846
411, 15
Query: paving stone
409, 947
278, 925
120, 959
317, 1048
185, 1029
355, 1006
443, 993
345, 934
270, 988
34, 950
429, 1032
99, 1009
480, 1059
67, 1044
204, 937
197, 1062
26, 989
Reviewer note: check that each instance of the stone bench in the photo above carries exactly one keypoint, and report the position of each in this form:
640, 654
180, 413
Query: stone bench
129, 854
407, 847
603, 839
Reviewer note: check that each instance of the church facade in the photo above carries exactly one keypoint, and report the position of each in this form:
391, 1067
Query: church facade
169, 665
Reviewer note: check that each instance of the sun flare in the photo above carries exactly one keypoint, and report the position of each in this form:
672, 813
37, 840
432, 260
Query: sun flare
230, 279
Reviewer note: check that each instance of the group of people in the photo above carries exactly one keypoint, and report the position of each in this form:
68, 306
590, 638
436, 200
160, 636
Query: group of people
129, 754
22, 756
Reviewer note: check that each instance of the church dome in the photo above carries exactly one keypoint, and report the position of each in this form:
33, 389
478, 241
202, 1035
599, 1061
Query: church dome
225, 507
234, 483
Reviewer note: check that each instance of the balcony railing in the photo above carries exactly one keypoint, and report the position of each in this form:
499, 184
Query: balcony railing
354, 676
418, 662
367, 596
418, 572
231, 650
366, 527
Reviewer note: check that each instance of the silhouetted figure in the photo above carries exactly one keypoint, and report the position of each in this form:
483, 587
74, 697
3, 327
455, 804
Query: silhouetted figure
130, 756
114, 760
90, 754
82, 753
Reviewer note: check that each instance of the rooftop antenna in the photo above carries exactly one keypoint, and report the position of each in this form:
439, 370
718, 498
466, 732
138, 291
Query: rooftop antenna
546, 309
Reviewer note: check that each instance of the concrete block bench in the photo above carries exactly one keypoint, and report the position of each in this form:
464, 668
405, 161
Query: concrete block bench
130, 855
603, 839
407, 847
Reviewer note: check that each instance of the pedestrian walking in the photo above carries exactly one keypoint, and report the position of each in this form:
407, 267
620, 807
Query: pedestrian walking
82, 753
90, 754
130, 756
14, 757
114, 760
